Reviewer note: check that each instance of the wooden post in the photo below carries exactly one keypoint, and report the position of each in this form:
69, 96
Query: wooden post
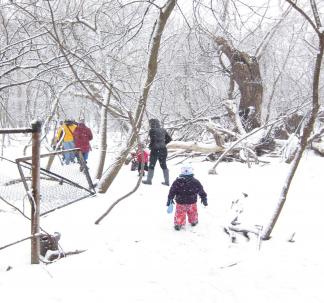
35, 209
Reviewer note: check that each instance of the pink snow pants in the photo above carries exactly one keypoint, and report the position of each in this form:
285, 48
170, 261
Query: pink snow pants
185, 209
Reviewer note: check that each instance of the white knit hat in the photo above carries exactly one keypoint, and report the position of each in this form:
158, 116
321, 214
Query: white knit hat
186, 170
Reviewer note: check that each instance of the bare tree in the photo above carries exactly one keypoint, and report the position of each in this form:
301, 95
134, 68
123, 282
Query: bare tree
309, 125
242, 68
103, 137
164, 14
27, 63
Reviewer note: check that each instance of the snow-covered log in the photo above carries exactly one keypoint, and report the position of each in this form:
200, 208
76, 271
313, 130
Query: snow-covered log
318, 147
232, 107
290, 149
195, 146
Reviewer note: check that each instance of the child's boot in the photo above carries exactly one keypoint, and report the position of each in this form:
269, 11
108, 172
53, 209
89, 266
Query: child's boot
149, 177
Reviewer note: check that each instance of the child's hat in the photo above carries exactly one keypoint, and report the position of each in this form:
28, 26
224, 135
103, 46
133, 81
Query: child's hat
186, 170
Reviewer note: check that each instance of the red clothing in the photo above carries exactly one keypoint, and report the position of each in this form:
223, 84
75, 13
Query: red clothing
82, 136
142, 154
185, 209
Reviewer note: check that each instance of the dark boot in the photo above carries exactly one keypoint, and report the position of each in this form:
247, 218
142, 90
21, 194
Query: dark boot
149, 177
166, 177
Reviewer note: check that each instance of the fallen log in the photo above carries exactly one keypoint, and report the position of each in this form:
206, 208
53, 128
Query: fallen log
318, 147
195, 146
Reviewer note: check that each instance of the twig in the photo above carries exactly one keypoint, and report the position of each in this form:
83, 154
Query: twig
19, 241
16, 208
229, 265
292, 238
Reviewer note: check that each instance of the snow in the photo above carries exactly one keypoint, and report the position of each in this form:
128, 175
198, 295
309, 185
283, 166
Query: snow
135, 255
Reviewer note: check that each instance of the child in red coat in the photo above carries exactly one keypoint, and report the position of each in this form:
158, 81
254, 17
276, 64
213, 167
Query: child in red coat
141, 156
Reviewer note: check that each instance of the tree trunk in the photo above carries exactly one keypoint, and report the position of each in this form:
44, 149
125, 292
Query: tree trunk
246, 74
103, 137
109, 177
309, 124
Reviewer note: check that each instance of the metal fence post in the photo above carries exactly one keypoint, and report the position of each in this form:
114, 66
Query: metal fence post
35, 209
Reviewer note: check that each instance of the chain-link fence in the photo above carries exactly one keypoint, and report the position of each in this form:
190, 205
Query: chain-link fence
41, 183
60, 184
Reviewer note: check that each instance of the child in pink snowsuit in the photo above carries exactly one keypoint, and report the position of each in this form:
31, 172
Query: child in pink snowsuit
185, 190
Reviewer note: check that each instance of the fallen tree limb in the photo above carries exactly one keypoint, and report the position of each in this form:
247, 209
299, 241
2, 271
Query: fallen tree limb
244, 137
244, 229
120, 199
195, 146
56, 255
213, 170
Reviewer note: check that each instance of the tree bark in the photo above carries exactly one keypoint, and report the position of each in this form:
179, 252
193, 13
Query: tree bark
103, 137
246, 74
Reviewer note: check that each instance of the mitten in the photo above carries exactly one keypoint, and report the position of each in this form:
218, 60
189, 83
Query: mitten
170, 208
170, 201
204, 201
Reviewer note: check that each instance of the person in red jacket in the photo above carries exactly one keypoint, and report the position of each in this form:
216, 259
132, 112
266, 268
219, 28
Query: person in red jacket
82, 136
141, 156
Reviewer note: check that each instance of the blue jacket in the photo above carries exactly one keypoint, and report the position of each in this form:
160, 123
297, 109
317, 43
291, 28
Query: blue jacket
185, 190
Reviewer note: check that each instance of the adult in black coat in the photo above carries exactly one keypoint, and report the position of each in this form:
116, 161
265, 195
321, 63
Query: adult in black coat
159, 138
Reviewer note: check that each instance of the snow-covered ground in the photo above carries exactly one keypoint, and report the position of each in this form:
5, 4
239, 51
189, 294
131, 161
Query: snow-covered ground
135, 255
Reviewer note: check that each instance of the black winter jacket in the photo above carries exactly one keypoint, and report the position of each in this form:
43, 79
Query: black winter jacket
158, 136
185, 190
